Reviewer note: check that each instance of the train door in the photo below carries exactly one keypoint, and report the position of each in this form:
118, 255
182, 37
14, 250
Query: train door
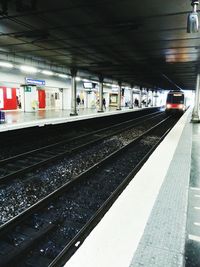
1, 99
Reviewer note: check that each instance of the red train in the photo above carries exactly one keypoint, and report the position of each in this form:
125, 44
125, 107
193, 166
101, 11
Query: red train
175, 102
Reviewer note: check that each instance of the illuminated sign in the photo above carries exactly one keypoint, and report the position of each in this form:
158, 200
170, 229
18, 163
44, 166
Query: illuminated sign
36, 82
88, 85
177, 94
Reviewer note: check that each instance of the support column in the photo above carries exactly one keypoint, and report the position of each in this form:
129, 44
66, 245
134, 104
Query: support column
100, 94
155, 98
147, 98
140, 100
195, 114
73, 93
131, 92
152, 98
119, 96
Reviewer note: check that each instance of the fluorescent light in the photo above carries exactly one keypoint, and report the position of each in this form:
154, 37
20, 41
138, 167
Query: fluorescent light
28, 69
107, 84
47, 72
6, 64
78, 79
63, 75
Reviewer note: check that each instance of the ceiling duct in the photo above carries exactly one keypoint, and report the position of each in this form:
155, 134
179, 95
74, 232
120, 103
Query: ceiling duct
36, 35
4, 7
24, 5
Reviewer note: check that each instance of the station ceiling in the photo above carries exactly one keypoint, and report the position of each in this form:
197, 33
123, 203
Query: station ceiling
138, 42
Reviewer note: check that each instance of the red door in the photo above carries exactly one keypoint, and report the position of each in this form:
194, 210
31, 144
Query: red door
41, 98
9, 101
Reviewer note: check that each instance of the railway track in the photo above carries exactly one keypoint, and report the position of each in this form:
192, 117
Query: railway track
31, 186
14, 166
16, 142
50, 231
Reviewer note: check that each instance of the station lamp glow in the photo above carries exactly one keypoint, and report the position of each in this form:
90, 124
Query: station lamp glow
47, 72
6, 65
63, 76
28, 69
78, 79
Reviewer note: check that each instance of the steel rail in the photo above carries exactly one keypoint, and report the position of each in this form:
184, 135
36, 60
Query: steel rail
63, 152
78, 240
6, 226
94, 220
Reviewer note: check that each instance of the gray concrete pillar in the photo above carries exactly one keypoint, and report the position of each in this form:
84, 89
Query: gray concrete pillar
131, 95
140, 97
147, 97
156, 98
119, 96
152, 98
195, 113
100, 94
73, 93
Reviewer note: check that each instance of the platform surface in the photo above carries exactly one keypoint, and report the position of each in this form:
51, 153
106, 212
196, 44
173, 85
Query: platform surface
146, 226
19, 119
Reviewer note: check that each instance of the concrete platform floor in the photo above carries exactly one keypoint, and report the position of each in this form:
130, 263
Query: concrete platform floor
18, 119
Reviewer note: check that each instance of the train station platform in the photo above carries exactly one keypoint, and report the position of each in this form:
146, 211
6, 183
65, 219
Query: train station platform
19, 119
153, 218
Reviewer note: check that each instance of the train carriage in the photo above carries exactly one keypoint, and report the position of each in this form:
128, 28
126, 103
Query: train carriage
175, 102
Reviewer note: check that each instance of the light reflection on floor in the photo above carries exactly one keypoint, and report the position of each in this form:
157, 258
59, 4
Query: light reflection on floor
17, 116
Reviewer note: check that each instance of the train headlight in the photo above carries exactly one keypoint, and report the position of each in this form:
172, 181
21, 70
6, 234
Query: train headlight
168, 106
180, 106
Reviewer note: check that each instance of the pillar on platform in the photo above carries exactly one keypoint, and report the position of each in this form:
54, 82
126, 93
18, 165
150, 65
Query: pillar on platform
73, 93
100, 94
119, 96
131, 97
140, 97
195, 113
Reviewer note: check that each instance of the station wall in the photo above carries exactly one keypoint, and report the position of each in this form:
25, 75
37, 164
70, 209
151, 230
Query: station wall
56, 92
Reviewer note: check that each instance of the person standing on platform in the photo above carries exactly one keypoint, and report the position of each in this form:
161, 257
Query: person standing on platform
104, 103
78, 100
136, 103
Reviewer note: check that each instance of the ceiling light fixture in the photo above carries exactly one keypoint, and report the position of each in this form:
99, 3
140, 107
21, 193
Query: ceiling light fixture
6, 65
47, 72
63, 75
193, 19
28, 69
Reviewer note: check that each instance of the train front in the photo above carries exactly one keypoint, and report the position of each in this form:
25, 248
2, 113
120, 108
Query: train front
175, 102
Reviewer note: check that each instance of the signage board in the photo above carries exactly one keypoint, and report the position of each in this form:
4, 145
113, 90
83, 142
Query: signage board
27, 89
88, 85
36, 82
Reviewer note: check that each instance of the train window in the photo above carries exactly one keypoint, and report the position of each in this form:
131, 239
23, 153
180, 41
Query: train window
175, 98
